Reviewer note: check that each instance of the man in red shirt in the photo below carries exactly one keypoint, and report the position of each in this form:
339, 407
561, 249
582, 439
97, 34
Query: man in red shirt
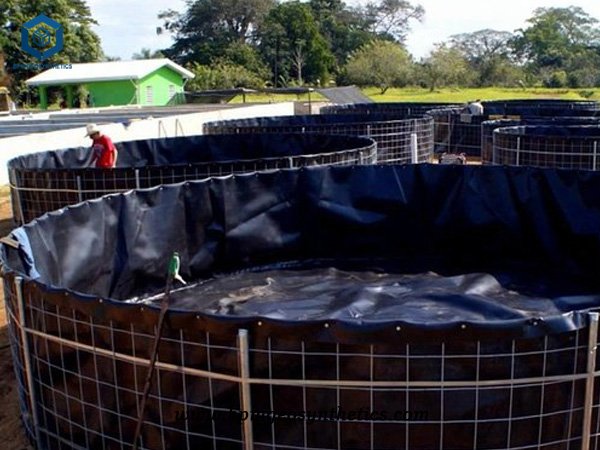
104, 151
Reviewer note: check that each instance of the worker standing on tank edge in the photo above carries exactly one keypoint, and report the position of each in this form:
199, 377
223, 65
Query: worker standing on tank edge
104, 152
475, 108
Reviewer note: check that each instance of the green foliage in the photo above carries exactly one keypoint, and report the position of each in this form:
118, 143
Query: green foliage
379, 63
208, 27
81, 43
146, 53
293, 46
222, 76
557, 79
445, 66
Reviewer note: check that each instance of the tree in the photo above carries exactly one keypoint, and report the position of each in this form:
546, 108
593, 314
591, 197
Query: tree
489, 56
146, 53
445, 66
380, 63
555, 35
222, 76
81, 43
287, 26
208, 27
344, 28
392, 17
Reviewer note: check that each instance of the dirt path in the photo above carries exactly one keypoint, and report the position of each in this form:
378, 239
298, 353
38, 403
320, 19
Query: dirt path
12, 436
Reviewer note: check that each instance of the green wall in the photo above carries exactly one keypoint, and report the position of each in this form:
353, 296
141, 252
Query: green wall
160, 81
106, 93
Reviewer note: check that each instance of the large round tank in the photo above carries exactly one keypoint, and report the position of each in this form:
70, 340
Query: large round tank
46, 181
457, 131
399, 139
566, 147
373, 307
488, 128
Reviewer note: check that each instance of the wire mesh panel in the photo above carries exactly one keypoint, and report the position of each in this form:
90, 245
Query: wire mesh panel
408, 140
457, 131
39, 185
488, 128
88, 366
312, 318
572, 147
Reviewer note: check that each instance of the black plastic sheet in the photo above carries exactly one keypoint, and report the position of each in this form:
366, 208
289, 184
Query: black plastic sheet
532, 231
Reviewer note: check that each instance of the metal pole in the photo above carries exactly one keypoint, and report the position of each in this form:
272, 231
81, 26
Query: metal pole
137, 178
518, 160
589, 386
27, 361
595, 166
79, 191
414, 148
246, 399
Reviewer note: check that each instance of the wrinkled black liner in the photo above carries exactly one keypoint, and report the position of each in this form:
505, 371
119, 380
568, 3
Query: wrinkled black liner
539, 226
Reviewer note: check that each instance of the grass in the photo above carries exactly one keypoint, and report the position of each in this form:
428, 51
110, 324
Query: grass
452, 95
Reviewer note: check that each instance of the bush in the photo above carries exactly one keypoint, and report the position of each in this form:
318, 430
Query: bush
222, 76
557, 79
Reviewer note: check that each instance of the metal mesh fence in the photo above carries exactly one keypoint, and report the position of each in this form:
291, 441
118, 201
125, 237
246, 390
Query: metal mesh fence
539, 146
398, 141
488, 128
37, 191
80, 372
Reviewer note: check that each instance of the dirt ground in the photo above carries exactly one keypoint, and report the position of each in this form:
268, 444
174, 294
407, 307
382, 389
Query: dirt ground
12, 436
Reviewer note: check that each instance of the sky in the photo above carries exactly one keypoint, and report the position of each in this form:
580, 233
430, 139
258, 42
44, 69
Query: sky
127, 26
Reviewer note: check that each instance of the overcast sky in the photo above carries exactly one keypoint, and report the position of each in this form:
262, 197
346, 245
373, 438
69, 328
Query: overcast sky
126, 26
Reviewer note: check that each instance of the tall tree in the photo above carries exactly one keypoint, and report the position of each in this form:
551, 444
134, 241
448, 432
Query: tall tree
488, 54
554, 35
392, 17
207, 27
287, 27
380, 63
146, 53
81, 44
346, 29
445, 66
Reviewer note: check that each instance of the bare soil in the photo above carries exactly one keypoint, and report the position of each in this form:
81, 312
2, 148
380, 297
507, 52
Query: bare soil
12, 435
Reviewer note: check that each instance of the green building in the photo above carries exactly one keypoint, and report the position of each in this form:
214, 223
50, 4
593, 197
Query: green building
145, 82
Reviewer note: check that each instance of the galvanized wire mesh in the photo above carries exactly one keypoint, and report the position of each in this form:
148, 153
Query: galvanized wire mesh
37, 191
81, 365
488, 128
398, 141
521, 146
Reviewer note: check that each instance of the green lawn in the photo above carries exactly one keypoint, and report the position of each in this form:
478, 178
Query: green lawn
441, 95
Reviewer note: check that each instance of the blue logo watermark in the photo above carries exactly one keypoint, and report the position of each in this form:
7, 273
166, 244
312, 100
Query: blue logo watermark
42, 37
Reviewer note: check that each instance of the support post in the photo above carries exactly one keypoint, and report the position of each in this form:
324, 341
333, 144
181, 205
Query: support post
79, 190
245, 395
589, 385
43, 90
27, 360
518, 156
414, 148
595, 162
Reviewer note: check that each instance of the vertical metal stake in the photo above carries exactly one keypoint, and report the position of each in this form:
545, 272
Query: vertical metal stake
79, 191
595, 165
27, 360
589, 386
518, 161
137, 178
246, 400
414, 148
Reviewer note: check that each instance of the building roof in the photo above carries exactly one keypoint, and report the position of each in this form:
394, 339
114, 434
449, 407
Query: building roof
106, 71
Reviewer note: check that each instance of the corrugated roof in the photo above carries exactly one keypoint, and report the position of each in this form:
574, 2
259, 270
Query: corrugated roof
106, 71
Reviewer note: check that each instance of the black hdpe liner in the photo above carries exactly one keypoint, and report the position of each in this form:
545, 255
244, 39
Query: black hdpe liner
488, 127
397, 108
424, 218
53, 179
459, 133
515, 223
